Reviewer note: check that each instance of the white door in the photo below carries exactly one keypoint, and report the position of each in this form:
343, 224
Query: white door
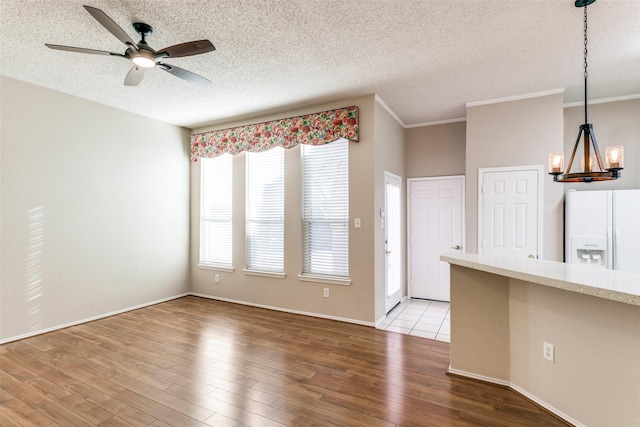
509, 211
393, 241
435, 226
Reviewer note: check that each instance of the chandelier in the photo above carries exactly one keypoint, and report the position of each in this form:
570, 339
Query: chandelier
593, 168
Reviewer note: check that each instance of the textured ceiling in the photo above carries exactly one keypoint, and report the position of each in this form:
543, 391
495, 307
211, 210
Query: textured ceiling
424, 59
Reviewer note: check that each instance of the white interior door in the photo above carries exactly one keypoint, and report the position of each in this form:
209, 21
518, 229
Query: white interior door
435, 226
393, 241
509, 211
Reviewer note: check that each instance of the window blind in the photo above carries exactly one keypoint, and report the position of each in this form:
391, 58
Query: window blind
325, 209
216, 211
265, 211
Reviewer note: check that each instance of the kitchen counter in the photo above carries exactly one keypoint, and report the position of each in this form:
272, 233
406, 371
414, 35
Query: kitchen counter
505, 312
615, 285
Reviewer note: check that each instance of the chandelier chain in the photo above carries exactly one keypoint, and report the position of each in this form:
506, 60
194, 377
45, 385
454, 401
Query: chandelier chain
585, 40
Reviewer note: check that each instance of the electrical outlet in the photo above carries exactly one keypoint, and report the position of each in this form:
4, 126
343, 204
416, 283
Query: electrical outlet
326, 292
549, 352
216, 278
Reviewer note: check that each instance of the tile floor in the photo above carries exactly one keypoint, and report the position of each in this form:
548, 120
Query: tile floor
422, 318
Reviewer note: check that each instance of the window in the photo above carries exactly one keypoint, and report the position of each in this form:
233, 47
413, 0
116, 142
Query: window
265, 211
216, 212
325, 209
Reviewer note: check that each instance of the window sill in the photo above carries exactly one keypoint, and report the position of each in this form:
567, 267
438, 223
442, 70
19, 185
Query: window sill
331, 280
213, 267
264, 274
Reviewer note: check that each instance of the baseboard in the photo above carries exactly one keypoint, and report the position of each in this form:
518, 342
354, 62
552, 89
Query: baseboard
285, 310
124, 310
477, 377
89, 319
544, 405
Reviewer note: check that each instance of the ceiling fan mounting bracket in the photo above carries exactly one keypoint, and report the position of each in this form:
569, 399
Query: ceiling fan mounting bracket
142, 28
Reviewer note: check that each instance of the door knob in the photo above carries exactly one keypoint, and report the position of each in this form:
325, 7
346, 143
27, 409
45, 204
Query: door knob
456, 247
387, 252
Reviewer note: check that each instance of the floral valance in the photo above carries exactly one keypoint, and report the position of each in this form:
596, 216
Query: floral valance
315, 129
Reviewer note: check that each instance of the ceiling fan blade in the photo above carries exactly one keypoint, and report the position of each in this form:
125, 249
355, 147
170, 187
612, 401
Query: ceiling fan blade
111, 26
134, 76
81, 50
187, 49
184, 74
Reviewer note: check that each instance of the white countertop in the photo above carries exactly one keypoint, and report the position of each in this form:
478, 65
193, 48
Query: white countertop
599, 282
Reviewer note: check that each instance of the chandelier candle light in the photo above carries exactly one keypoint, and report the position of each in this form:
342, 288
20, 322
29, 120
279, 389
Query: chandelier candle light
592, 170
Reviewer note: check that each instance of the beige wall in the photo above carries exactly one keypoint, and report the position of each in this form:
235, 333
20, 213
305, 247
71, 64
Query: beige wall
354, 302
389, 157
94, 212
96, 185
516, 133
441, 150
614, 123
479, 319
499, 325
437, 150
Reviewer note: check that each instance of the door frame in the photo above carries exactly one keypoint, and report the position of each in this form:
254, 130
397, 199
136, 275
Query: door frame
463, 233
390, 176
539, 169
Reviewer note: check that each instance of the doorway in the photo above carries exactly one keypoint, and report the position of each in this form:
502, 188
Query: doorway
509, 211
435, 225
392, 220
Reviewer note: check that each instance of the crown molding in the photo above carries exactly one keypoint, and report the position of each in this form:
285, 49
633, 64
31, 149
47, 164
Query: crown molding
603, 100
514, 98
437, 122
389, 110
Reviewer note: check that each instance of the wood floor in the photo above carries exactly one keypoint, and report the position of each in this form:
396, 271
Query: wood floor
197, 362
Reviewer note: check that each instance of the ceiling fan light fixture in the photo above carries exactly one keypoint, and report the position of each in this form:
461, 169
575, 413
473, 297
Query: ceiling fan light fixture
144, 61
592, 169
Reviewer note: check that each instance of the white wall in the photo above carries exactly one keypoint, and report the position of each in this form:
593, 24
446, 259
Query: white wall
94, 213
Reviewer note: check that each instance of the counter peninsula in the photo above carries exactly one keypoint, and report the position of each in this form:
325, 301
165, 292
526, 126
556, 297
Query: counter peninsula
504, 310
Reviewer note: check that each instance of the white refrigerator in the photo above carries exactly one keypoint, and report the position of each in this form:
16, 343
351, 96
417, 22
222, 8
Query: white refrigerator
602, 228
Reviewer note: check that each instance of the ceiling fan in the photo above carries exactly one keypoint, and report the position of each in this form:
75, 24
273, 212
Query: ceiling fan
141, 54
